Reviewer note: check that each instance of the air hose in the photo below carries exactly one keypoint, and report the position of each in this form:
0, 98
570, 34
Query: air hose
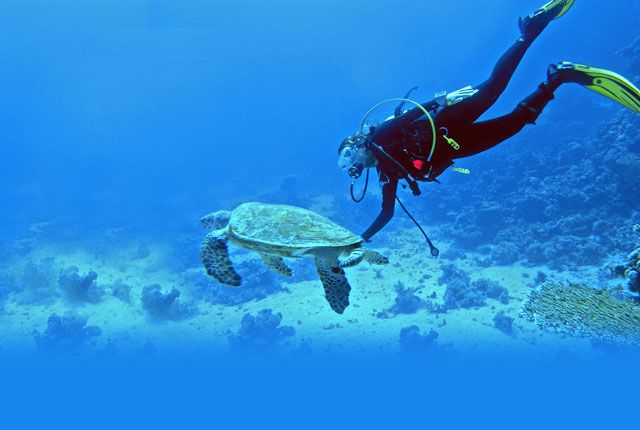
419, 106
434, 251
364, 192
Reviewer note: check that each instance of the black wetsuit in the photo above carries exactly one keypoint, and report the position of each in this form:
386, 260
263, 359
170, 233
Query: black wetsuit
408, 137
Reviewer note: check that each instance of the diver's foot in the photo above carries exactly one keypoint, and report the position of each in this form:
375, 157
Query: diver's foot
533, 24
603, 82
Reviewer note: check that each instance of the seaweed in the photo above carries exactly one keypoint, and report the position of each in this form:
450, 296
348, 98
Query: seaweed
165, 306
66, 333
260, 332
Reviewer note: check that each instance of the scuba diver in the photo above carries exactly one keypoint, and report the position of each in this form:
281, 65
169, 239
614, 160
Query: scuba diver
419, 144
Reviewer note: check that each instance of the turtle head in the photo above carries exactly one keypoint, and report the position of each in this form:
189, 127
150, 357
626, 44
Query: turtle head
216, 220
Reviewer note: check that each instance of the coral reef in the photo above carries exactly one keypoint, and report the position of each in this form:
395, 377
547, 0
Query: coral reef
80, 288
258, 283
415, 343
503, 323
581, 311
562, 201
260, 332
161, 306
65, 333
632, 268
461, 292
633, 271
406, 301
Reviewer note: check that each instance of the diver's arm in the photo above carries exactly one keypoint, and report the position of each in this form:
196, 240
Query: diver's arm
388, 206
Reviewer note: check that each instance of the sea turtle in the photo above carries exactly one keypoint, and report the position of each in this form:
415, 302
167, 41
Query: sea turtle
277, 231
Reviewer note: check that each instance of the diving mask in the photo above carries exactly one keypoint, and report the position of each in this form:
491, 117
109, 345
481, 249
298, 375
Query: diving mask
354, 155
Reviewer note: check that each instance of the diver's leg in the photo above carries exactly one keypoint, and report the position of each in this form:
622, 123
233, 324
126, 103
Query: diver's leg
470, 109
484, 135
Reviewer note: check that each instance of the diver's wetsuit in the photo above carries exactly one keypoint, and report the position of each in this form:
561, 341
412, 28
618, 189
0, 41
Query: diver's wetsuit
408, 137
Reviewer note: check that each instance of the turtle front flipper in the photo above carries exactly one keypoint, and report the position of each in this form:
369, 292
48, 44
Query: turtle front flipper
335, 283
373, 257
277, 264
354, 258
214, 255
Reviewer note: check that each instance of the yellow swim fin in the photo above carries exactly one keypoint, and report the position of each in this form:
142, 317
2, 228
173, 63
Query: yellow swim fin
536, 21
556, 8
604, 82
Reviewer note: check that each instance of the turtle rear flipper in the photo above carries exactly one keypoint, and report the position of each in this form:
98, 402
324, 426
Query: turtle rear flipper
336, 285
277, 264
214, 255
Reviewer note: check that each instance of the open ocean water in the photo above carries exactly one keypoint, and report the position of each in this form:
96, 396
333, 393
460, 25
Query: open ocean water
122, 123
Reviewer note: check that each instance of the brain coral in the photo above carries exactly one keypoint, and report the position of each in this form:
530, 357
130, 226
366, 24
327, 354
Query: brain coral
582, 311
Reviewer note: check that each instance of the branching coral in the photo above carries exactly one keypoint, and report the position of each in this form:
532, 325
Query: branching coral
461, 292
406, 301
581, 311
80, 288
162, 306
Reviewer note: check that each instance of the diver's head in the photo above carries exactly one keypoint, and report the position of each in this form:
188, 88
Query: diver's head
354, 155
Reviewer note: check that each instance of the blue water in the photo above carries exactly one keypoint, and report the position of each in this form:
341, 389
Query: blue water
122, 123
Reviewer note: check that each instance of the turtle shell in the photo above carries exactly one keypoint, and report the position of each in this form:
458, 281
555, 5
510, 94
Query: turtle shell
289, 227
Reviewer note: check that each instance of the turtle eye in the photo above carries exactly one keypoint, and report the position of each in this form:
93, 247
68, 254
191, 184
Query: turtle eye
348, 153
